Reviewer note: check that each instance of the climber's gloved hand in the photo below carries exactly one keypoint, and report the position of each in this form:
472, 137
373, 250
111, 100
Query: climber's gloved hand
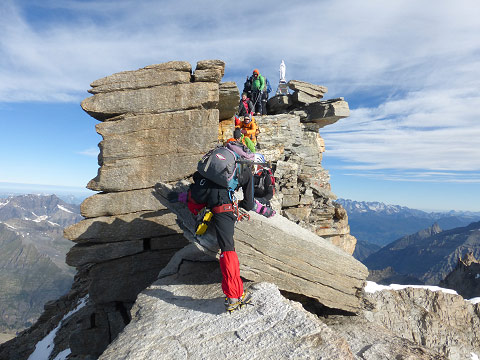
172, 197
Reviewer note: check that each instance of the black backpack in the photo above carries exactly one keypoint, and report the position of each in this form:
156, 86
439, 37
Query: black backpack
261, 183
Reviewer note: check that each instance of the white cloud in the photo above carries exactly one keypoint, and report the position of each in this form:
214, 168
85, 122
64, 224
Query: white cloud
90, 152
419, 61
423, 130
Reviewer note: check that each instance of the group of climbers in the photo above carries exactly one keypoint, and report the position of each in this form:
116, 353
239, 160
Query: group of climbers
211, 196
255, 89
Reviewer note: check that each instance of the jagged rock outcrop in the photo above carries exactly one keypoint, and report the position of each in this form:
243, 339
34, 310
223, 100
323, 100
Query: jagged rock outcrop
303, 189
465, 278
441, 321
156, 124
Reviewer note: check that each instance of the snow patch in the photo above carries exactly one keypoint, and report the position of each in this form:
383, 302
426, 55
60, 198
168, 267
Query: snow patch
474, 356
477, 276
9, 226
52, 223
4, 203
63, 355
44, 347
41, 218
372, 287
64, 209
474, 301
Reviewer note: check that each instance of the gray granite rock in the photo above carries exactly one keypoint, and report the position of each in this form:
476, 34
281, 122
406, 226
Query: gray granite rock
370, 341
325, 113
137, 150
172, 73
131, 226
210, 75
152, 100
80, 255
183, 317
228, 100
440, 321
296, 153
119, 203
309, 92
126, 277
211, 64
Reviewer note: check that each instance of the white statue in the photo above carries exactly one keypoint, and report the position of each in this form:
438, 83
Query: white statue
282, 72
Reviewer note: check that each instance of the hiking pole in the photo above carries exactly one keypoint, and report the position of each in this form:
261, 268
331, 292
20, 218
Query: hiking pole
256, 100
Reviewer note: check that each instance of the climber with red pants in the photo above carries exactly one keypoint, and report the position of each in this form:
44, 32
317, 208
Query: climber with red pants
204, 192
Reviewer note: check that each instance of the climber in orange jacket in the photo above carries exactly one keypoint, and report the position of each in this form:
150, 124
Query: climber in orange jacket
249, 128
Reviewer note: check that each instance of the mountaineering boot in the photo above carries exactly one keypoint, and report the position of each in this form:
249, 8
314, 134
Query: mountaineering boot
246, 298
232, 304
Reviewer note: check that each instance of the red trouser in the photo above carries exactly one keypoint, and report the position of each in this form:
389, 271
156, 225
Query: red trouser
232, 284
224, 221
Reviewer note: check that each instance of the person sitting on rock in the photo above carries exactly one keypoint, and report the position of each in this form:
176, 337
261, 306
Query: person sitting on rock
249, 128
240, 138
246, 106
258, 88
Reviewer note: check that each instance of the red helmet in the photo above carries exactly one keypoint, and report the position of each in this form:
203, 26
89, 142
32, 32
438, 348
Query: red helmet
256, 71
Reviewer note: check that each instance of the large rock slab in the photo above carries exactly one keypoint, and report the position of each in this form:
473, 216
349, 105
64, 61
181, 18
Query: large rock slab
305, 92
325, 113
152, 100
228, 100
296, 260
137, 151
144, 172
171, 73
131, 226
211, 64
158, 134
209, 71
183, 317
82, 254
118, 203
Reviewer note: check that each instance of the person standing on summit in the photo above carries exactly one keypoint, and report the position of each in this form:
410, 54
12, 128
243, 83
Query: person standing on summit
258, 89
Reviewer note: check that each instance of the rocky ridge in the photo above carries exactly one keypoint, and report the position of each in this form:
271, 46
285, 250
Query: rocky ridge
130, 233
465, 277
429, 255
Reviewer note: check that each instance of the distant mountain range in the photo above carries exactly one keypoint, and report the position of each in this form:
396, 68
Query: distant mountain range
375, 223
428, 255
32, 256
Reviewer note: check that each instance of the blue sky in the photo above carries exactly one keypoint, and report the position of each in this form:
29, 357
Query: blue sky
410, 71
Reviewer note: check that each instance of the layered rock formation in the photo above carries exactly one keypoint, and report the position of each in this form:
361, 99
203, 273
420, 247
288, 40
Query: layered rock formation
156, 124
